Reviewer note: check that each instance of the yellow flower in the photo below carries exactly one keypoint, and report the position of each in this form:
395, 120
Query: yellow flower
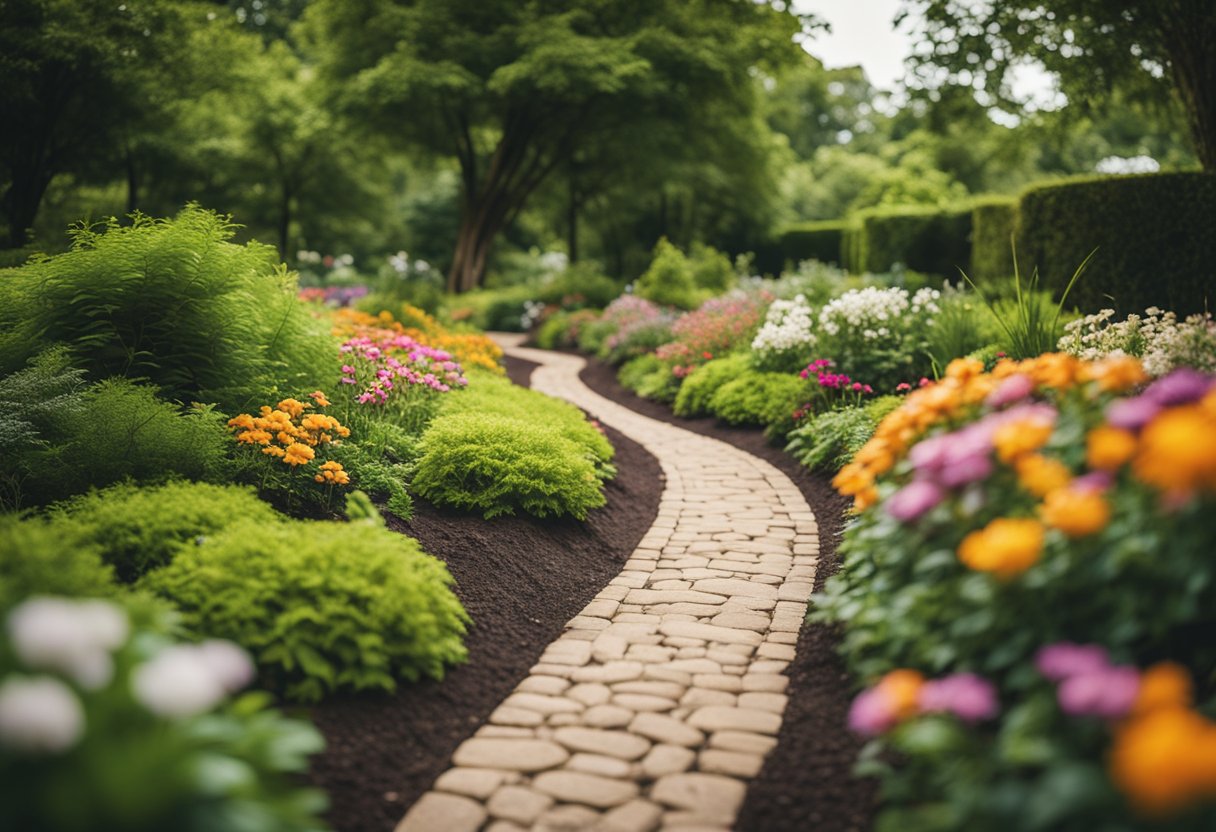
1076, 512
1114, 375
1041, 475
1178, 450
332, 472
274, 450
1014, 439
253, 437
292, 407
1165, 760
319, 397
1108, 448
1006, 546
242, 421
298, 454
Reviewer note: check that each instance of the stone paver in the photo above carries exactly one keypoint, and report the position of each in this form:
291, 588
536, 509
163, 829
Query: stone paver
659, 702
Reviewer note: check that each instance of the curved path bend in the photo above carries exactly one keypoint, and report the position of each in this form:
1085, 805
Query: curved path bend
658, 703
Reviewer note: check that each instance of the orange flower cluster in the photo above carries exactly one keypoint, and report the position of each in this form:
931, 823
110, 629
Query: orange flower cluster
290, 433
964, 385
1176, 452
470, 349
1164, 755
1006, 547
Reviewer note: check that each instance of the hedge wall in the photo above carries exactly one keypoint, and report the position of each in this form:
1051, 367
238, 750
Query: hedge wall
992, 225
928, 240
812, 241
1155, 235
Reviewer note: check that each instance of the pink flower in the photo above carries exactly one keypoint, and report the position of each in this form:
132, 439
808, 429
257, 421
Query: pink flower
871, 714
1132, 414
1108, 692
1010, 390
913, 500
965, 695
1065, 659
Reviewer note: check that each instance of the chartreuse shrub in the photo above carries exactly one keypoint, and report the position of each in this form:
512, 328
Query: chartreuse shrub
1154, 238
321, 606
758, 398
173, 302
669, 280
650, 377
1004, 587
497, 448
992, 227
139, 529
144, 733
699, 386
36, 559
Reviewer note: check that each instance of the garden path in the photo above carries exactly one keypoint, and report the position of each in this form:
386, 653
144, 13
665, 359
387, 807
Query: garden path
657, 705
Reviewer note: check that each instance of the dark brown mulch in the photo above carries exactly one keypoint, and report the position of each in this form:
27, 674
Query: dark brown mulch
806, 782
520, 579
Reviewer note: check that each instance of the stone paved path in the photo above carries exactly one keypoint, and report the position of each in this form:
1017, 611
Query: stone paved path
658, 703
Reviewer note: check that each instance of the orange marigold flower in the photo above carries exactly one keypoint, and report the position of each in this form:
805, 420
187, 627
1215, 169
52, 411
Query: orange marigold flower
286, 437
319, 397
1076, 512
865, 498
274, 450
1056, 370
298, 454
1164, 685
852, 478
1114, 375
1006, 546
964, 369
1041, 475
292, 407
1178, 450
242, 421
1108, 448
901, 690
1015, 439
1165, 760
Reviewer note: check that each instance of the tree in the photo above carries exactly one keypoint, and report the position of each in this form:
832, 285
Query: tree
509, 88
1096, 46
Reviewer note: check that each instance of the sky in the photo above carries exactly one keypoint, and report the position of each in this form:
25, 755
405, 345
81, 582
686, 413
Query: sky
863, 33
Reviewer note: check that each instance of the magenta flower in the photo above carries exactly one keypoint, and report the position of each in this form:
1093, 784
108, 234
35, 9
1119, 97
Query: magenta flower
913, 500
1182, 386
1108, 692
870, 714
967, 696
1015, 388
1132, 414
1065, 659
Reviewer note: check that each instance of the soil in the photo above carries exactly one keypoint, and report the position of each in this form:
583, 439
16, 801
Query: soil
520, 579
806, 782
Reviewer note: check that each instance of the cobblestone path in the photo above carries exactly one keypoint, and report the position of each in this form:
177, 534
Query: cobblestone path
658, 703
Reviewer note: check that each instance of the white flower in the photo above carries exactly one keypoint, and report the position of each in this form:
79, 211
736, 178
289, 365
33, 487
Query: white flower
72, 637
787, 325
39, 714
229, 663
178, 682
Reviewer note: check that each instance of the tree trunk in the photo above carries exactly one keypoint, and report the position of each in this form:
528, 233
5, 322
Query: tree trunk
479, 226
1190, 38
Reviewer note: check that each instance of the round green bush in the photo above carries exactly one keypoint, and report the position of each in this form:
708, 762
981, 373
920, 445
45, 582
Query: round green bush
321, 606
699, 387
137, 529
758, 398
36, 560
497, 464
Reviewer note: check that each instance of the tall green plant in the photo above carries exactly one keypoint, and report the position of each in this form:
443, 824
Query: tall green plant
1031, 326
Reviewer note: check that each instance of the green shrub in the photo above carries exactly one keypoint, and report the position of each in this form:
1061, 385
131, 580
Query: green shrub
321, 606
1155, 240
173, 302
138, 529
992, 227
699, 386
756, 398
580, 286
827, 441
962, 325
669, 281
819, 241
711, 269
635, 371
551, 334
35, 559
121, 430
497, 464
929, 240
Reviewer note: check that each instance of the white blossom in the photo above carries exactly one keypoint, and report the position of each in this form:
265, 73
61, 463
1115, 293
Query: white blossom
1157, 338
39, 714
71, 637
229, 663
787, 326
178, 682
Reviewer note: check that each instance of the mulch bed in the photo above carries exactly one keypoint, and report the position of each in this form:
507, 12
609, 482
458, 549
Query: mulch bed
520, 579
806, 782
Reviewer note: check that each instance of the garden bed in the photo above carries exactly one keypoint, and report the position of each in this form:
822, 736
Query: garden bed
520, 579
806, 781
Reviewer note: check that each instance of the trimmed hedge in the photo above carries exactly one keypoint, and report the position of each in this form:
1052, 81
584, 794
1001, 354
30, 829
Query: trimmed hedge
992, 227
813, 241
928, 240
1155, 238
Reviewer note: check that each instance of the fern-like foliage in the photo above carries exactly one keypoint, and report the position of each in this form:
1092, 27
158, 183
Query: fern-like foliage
174, 302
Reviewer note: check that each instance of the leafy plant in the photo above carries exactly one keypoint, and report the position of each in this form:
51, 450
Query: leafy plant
669, 281
699, 386
756, 398
36, 560
138, 529
321, 606
827, 441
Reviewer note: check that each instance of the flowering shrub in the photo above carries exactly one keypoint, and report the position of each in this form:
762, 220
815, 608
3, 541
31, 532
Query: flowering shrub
1159, 339
291, 436
878, 334
81, 689
633, 326
393, 377
787, 338
469, 349
1053, 502
335, 296
720, 325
